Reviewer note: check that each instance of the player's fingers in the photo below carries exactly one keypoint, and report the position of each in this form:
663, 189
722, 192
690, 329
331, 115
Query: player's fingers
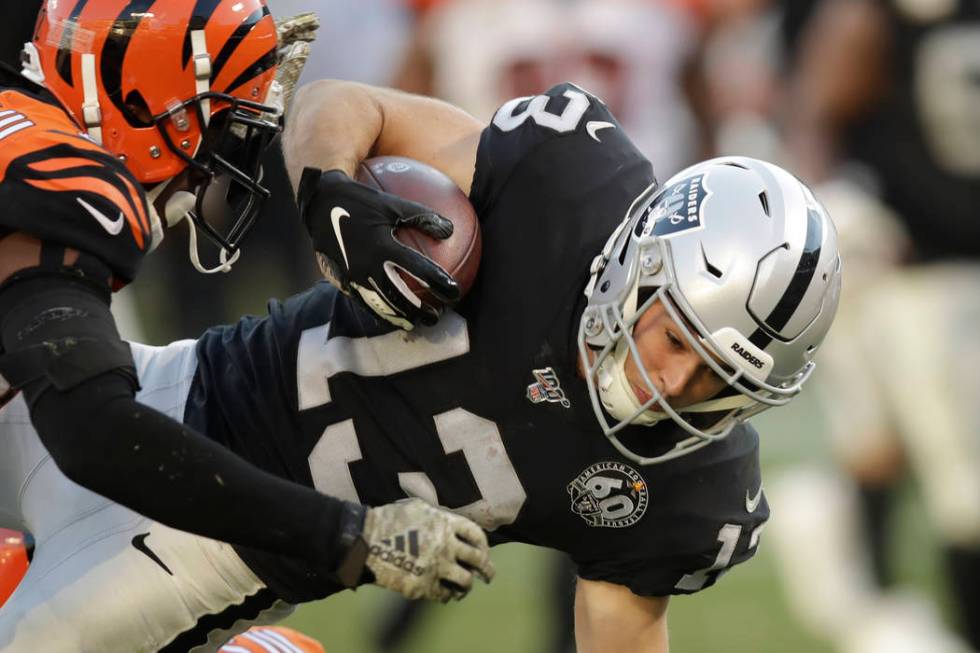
440, 592
475, 549
471, 533
457, 579
401, 298
382, 302
429, 273
476, 560
429, 223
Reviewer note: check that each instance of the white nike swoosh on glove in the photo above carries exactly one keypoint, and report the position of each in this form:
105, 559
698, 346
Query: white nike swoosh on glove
335, 216
595, 125
112, 226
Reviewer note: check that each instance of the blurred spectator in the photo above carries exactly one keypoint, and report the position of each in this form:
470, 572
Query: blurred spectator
630, 53
363, 41
892, 86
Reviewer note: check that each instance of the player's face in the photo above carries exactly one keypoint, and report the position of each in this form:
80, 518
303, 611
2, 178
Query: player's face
678, 371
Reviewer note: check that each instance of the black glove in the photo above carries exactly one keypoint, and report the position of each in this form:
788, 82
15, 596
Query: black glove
353, 228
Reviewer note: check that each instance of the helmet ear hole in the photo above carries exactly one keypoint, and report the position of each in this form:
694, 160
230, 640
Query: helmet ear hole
137, 110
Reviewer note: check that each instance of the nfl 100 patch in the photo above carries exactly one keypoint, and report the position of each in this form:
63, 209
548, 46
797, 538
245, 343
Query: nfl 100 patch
610, 495
547, 388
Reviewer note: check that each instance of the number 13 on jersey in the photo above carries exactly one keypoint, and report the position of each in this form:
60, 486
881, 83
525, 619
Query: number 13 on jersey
458, 430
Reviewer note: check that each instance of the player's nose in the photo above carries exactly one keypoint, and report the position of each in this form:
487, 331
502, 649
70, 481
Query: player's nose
674, 378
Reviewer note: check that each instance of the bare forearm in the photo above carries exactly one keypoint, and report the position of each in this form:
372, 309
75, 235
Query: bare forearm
333, 125
610, 617
336, 125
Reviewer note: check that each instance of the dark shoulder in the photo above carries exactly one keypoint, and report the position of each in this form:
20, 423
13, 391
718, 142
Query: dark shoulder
705, 515
553, 134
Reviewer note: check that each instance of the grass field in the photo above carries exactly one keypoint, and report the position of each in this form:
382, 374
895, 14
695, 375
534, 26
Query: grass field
746, 612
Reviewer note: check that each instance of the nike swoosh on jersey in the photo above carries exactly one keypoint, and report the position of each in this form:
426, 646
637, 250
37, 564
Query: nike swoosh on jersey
335, 216
112, 226
751, 503
139, 543
595, 125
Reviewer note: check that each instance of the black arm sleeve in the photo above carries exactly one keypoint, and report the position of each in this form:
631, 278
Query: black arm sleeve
102, 439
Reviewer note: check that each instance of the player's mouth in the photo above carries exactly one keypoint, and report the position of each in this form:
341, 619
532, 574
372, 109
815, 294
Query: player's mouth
642, 395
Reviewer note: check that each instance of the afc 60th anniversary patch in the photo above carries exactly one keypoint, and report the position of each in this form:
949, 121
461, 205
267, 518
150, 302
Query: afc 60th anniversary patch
609, 495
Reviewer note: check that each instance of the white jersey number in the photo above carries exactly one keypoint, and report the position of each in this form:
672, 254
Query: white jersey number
479, 439
536, 109
728, 536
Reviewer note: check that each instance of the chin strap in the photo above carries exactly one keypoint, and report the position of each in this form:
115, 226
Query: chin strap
179, 207
192, 251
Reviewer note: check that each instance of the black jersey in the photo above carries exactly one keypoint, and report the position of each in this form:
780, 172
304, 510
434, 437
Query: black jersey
56, 184
484, 413
923, 137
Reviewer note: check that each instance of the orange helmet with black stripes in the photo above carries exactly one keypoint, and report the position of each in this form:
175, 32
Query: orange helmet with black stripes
168, 85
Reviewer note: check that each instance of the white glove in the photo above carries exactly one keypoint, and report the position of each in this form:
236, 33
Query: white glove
423, 552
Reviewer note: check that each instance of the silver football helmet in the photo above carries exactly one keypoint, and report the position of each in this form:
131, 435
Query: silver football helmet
744, 260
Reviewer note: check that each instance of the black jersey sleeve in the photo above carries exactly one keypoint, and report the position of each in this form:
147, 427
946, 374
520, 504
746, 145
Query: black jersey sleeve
704, 517
521, 125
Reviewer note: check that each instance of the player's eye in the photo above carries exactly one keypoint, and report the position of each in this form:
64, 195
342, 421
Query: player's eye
675, 342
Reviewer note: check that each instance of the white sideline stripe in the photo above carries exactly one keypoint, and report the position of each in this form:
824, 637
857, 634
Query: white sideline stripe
231, 648
320, 359
16, 128
6, 113
12, 119
279, 638
266, 646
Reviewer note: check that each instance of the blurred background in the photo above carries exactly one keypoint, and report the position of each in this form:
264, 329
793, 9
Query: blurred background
873, 476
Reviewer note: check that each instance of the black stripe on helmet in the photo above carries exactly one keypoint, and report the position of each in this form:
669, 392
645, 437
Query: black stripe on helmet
199, 18
114, 53
760, 338
264, 63
781, 314
235, 40
62, 61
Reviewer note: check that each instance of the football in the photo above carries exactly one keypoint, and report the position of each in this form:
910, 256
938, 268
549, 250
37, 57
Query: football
459, 255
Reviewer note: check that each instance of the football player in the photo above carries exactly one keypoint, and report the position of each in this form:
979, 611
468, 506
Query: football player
130, 115
589, 394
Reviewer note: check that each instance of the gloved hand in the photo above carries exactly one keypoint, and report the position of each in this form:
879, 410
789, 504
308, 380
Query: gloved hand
296, 33
353, 228
423, 552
